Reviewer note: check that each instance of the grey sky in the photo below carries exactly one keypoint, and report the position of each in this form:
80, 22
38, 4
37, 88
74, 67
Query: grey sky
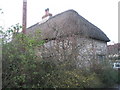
102, 13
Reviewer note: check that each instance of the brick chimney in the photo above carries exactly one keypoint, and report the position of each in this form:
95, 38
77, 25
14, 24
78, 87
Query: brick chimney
47, 13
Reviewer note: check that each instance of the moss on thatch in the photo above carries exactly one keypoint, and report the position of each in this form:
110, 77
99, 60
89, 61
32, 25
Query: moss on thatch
68, 23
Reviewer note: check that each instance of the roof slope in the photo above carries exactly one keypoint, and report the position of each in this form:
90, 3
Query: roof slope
68, 23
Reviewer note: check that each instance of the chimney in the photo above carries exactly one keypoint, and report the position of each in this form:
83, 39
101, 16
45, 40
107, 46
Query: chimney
47, 11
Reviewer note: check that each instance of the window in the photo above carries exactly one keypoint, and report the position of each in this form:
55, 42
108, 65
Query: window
101, 57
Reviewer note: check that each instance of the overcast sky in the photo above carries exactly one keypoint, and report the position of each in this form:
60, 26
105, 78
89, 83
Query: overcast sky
102, 13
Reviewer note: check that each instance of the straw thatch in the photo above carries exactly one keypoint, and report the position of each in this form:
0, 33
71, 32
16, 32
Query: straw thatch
68, 23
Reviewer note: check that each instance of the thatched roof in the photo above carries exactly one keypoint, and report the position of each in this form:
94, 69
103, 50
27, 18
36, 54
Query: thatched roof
68, 23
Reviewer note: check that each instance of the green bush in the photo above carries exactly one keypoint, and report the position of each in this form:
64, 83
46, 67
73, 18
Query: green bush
119, 76
107, 75
23, 69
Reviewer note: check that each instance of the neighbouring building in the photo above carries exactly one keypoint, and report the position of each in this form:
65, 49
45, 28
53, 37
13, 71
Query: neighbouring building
114, 54
70, 37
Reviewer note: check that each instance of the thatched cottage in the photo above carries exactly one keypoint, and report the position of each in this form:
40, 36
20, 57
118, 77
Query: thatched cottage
69, 36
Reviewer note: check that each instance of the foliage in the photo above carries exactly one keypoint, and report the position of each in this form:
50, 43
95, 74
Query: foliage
119, 76
7, 35
106, 73
24, 69
18, 56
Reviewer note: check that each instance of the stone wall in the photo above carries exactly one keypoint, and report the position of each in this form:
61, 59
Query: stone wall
82, 51
70, 37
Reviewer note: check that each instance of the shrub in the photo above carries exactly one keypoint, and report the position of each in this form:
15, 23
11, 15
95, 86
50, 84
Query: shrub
23, 69
107, 75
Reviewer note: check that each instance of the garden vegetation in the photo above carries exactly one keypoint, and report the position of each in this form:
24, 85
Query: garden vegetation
22, 68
